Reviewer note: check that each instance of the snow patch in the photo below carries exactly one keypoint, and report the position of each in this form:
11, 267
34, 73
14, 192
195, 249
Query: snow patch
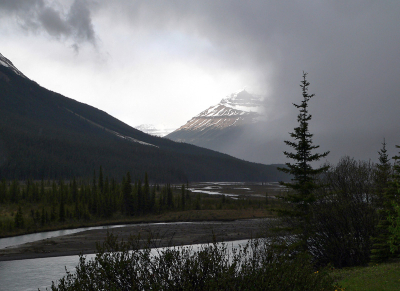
7, 63
160, 130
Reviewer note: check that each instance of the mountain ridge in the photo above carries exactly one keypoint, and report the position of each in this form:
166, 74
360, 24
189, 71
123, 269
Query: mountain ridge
46, 135
234, 110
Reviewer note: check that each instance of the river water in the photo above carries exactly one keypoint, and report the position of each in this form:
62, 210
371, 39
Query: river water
32, 274
22, 239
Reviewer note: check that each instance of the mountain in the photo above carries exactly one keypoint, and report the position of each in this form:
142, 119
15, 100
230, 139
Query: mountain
235, 110
235, 126
8, 64
157, 130
46, 135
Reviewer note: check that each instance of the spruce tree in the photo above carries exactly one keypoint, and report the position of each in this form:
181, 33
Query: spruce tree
19, 219
146, 194
183, 194
392, 207
101, 184
61, 216
170, 202
304, 181
380, 251
127, 195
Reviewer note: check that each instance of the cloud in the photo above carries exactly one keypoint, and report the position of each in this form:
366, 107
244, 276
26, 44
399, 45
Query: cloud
79, 20
349, 48
40, 16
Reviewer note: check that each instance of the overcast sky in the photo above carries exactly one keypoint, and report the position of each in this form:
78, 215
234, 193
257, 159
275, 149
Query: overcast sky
162, 62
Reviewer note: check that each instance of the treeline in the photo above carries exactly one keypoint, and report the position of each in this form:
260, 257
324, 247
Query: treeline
345, 214
33, 205
353, 213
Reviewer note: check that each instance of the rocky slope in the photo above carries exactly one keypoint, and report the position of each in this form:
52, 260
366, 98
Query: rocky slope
235, 126
235, 110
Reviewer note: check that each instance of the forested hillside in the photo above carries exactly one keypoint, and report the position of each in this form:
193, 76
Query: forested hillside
44, 135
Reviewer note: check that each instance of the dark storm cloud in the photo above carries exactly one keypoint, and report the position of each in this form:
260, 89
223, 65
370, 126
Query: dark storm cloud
19, 5
80, 21
38, 15
349, 48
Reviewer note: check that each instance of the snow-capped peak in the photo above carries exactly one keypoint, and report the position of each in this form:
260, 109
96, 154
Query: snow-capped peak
235, 110
7, 63
241, 103
244, 101
156, 130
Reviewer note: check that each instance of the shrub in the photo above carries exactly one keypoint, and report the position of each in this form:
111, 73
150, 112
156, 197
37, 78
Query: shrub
344, 216
256, 266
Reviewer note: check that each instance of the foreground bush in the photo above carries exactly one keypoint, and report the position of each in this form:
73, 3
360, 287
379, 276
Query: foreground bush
257, 266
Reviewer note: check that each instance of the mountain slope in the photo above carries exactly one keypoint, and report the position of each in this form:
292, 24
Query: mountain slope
233, 126
46, 135
235, 110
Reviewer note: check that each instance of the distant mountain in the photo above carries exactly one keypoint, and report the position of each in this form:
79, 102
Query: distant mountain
233, 126
46, 135
156, 130
235, 110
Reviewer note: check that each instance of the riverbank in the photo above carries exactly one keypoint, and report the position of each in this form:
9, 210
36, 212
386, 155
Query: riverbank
163, 234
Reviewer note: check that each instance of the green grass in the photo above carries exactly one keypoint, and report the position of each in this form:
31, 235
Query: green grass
381, 277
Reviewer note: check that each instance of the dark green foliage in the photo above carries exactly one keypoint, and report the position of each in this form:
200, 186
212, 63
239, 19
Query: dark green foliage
61, 211
303, 185
19, 219
61, 203
394, 230
170, 201
128, 201
146, 194
382, 177
392, 197
183, 197
380, 251
257, 266
53, 213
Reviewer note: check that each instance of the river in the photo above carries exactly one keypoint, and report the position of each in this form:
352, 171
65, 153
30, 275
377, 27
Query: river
32, 274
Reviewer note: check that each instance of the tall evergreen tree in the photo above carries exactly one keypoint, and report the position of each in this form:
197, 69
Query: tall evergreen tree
380, 251
153, 198
392, 206
139, 195
303, 184
127, 195
183, 194
19, 218
146, 194
74, 190
61, 216
170, 202
101, 183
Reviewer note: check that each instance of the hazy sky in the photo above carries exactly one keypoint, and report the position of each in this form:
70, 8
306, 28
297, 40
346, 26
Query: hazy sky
162, 62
